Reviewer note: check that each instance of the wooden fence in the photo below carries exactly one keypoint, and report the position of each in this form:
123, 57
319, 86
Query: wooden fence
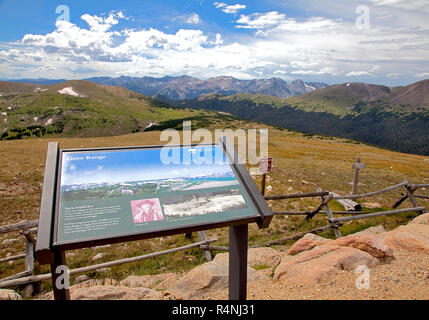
335, 223
29, 228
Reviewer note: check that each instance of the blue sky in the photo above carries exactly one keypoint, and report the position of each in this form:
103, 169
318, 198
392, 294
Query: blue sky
335, 41
138, 165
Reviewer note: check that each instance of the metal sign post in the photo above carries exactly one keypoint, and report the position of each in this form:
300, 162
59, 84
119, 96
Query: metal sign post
238, 246
60, 277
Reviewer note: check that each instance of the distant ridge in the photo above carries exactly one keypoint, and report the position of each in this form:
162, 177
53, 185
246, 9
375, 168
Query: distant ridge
342, 98
186, 87
41, 81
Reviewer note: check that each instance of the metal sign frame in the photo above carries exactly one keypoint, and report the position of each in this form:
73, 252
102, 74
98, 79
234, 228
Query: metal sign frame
49, 251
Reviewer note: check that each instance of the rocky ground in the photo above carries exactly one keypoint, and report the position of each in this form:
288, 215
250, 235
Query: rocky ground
404, 277
372, 264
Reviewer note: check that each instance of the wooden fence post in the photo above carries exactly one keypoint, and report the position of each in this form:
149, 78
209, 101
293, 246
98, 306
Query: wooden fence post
410, 190
202, 237
325, 201
329, 214
29, 263
357, 166
398, 203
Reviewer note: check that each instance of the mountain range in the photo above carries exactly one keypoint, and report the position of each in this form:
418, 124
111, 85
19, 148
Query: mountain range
392, 117
395, 118
185, 87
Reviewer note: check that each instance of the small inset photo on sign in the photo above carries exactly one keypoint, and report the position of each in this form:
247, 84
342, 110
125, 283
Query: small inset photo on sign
203, 203
146, 210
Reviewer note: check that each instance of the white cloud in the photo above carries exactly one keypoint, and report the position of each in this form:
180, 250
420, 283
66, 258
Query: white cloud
99, 24
281, 72
422, 75
317, 47
359, 74
231, 9
121, 15
144, 41
327, 71
403, 4
74, 43
261, 20
47, 67
10, 55
393, 75
193, 18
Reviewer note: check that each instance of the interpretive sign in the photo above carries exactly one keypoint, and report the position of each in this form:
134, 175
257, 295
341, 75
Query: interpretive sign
115, 193
92, 197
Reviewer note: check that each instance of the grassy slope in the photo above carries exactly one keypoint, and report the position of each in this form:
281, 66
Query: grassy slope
326, 162
337, 99
99, 110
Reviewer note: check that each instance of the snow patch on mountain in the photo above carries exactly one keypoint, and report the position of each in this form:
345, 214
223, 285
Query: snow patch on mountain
69, 91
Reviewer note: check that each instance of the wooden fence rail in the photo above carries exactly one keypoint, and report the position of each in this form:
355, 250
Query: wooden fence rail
421, 196
296, 195
371, 194
335, 223
421, 185
19, 226
29, 228
293, 237
4, 283
306, 213
12, 258
378, 214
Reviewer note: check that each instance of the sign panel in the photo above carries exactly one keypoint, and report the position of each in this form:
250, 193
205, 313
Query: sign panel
265, 165
117, 192
359, 165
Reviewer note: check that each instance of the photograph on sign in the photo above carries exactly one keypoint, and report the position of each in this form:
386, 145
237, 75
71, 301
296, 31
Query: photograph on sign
118, 192
146, 210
